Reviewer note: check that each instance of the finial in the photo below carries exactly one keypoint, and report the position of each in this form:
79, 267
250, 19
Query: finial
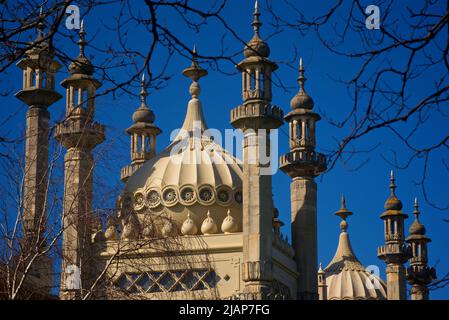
256, 22
194, 72
143, 92
320, 269
416, 211
82, 42
40, 25
302, 79
343, 213
392, 184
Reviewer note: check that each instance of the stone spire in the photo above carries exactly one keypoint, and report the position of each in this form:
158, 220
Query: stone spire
79, 134
256, 116
143, 134
322, 286
395, 253
302, 163
419, 274
39, 68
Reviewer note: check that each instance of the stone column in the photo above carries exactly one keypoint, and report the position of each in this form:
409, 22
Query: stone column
77, 211
36, 166
257, 216
303, 192
396, 282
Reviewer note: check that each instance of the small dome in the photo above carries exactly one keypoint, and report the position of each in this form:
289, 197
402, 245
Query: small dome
81, 65
189, 227
302, 101
229, 225
209, 226
393, 203
417, 228
257, 48
143, 114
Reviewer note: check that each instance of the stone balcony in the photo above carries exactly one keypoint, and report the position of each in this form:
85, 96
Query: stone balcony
257, 115
302, 162
79, 133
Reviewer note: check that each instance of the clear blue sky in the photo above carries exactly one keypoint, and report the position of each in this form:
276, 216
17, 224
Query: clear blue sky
366, 189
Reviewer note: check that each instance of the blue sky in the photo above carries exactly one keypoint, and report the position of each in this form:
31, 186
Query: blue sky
366, 189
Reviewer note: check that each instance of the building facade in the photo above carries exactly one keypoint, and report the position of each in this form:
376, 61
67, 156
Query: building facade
195, 222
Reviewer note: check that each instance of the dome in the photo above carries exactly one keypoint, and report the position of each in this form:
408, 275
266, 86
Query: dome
417, 228
348, 279
81, 65
143, 114
257, 48
302, 101
191, 176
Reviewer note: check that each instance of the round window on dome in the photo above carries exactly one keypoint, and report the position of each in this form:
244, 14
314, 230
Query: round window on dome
170, 197
153, 198
224, 195
206, 194
187, 195
139, 201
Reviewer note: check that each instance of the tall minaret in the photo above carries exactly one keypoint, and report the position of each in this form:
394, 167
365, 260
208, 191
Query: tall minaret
395, 252
80, 135
303, 164
143, 135
255, 117
419, 274
38, 93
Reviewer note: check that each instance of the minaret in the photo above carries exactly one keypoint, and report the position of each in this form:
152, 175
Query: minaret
80, 135
303, 164
38, 93
419, 274
322, 286
395, 252
256, 117
143, 135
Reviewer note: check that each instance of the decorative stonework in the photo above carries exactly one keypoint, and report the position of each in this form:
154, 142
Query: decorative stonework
168, 281
206, 195
187, 195
169, 197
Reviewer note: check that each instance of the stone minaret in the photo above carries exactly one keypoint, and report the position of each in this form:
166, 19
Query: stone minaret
255, 117
395, 252
80, 135
143, 135
38, 92
303, 164
322, 286
419, 274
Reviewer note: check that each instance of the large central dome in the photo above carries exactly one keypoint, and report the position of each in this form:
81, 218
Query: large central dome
192, 176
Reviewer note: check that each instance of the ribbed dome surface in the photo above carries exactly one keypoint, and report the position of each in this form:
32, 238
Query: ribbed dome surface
192, 175
348, 279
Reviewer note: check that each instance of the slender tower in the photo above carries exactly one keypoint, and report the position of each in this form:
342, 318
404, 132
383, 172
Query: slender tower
256, 117
303, 164
38, 93
419, 274
322, 286
143, 135
395, 252
80, 135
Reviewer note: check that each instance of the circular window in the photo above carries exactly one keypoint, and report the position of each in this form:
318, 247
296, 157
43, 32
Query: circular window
206, 194
224, 195
153, 198
139, 201
187, 195
238, 197
169, 196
